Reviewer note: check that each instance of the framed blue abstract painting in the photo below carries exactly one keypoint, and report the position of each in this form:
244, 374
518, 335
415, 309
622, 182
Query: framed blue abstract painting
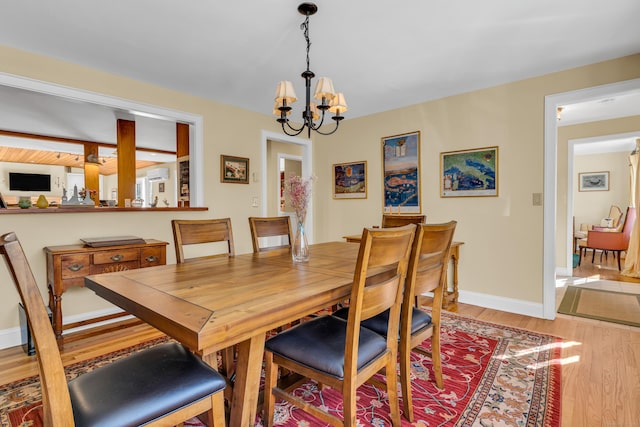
401, 173
350, 180
469, 173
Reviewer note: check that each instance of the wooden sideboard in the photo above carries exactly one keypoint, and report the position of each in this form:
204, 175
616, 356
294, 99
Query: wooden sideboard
68, 265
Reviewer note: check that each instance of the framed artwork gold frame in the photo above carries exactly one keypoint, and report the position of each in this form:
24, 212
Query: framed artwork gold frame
469, 173
350, 180
401, 187
234, 169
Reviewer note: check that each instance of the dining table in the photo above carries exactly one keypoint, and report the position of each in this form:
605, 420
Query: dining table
214, 303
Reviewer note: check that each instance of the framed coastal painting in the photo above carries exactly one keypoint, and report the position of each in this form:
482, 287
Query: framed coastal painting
350, 180
401, 173
469, 173
593, 181
234, 169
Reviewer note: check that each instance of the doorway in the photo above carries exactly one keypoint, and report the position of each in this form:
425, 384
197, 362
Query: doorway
295, 148
552, 102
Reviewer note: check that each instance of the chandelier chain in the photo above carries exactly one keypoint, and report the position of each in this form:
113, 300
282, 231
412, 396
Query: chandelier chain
305, 28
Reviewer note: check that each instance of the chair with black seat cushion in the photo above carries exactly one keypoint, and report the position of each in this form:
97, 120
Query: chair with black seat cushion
389, 221
427, 273
270, 227
341, 353
162, 386
202, 232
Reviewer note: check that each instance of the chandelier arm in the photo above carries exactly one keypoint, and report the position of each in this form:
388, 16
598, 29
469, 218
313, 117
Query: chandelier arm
327, 133
296, 132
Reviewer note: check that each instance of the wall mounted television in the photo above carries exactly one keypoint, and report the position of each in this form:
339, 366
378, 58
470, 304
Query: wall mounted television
29, 181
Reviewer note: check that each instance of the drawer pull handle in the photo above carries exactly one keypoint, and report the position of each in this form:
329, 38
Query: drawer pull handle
76, 267
151, 258
116, 258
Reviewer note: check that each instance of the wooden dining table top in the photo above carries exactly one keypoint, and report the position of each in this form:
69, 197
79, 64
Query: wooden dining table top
210, 304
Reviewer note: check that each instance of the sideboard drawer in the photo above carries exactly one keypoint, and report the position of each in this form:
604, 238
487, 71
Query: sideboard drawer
152, 256
119, 256
77, 265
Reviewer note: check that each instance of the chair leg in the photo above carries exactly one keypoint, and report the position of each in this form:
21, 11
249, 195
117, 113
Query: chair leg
349, 403
618, 253
405, 382
436, 357
270, 381
392, 390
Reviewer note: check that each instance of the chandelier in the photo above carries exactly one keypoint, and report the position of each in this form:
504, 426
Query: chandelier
328, 99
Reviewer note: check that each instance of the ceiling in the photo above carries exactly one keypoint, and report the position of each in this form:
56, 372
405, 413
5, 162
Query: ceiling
382, 55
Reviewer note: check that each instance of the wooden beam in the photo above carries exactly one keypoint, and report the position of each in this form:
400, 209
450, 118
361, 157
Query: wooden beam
182, 150
126, 135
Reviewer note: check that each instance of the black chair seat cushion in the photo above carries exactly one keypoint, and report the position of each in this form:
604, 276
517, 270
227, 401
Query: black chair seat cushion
320, 343
419, 320
142, 387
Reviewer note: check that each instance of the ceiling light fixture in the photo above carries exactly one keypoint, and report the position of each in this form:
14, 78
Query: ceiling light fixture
324, 93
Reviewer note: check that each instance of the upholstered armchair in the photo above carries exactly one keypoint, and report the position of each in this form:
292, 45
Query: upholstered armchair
614, 241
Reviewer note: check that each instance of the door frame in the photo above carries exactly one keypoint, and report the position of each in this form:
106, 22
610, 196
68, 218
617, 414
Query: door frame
307, 170
551, 103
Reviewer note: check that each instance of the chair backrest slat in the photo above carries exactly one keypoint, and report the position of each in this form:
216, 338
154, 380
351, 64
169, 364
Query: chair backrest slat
270, 227
389, 221
193, 232
57, 410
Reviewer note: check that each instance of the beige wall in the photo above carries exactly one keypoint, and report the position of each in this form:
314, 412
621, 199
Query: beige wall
589, 207
502, 255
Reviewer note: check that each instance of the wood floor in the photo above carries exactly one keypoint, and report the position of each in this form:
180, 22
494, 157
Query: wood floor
601, 362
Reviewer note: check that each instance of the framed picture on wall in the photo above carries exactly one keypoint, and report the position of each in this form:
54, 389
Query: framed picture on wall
401, 173
469, 173
593, 181
350, 180
234, 169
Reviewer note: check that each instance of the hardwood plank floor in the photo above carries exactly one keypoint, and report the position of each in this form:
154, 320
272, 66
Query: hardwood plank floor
601, 361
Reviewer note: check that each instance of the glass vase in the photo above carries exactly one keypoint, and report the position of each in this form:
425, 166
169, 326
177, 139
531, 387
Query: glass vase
300, 247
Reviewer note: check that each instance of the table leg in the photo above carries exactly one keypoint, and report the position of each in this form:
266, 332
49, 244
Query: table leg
452, 297
247, 384
55, 305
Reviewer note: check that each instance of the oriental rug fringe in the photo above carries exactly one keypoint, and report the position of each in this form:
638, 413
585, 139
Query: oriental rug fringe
494, 375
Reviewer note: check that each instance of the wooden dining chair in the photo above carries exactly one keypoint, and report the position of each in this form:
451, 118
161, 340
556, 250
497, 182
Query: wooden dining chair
162, 386
202, 232
266, 227
400, 220
341, 353
427, 273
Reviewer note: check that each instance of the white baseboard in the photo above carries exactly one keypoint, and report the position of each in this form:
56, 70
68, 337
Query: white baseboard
12, 337
510, 305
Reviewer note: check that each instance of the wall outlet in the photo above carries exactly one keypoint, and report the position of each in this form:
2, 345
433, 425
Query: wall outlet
254, 202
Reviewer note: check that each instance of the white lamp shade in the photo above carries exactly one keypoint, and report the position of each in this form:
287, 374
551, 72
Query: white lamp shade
285, 92
338, 104
324, 88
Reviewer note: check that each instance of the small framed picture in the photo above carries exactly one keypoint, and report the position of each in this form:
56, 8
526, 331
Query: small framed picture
234, 169
350, 180
469, 173
593, 181
161, 187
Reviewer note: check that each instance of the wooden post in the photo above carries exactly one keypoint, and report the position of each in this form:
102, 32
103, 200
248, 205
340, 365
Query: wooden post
182, 151
92, 171
126, 132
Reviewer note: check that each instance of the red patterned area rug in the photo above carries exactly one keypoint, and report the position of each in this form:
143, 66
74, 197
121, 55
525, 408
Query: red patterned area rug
493, 376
